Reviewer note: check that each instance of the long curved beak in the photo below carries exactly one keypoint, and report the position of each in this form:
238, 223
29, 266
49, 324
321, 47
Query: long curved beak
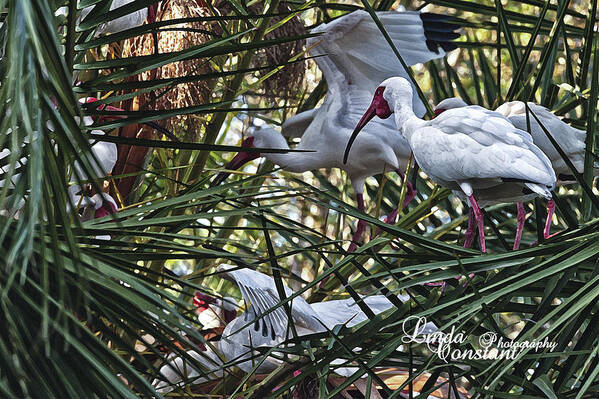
237, 162
368, 115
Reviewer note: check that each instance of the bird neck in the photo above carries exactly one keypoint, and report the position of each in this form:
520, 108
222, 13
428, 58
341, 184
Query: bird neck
296, 162
404, 117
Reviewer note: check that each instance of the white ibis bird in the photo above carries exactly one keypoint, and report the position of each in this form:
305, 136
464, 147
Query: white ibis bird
351, 74
258, 328
471, 150
569, 139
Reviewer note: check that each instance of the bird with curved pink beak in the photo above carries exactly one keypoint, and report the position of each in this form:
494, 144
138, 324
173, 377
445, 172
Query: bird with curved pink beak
351, 73
470, 150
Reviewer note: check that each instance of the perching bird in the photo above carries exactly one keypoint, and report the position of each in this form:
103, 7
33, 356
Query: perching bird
256, 328
472, 150
351, 74
569, 139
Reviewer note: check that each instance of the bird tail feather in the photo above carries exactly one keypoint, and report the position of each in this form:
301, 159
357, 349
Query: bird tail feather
540, 189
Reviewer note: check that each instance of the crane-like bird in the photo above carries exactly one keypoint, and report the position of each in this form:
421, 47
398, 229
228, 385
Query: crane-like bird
256, 327
471, 150
569, 139
352, 74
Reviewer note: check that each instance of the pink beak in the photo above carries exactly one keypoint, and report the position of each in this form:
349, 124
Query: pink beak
438, 111
237, 162
368, 115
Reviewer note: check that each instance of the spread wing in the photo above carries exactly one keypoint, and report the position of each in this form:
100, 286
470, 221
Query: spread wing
474, 143
260, 293
354, 55
342, 311
296, 125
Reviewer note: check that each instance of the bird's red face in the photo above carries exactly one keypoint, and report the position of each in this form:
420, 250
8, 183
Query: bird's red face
202, 301
379, 107
238, 161
439, 111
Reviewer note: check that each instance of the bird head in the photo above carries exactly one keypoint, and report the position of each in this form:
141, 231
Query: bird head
382, 105
449, 103
202, 301
104, 205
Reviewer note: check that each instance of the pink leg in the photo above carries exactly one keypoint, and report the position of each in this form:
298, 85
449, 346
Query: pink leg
410, 194
470, 230
411, 191
550, 212
479, 221
357, 235
520, 227
361, 225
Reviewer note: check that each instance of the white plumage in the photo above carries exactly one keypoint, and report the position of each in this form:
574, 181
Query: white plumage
254, 329
469, 149
353, 57
351, 75
569, 139
179, 371
260, 295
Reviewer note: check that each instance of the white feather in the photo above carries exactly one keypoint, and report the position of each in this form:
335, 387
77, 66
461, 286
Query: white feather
353, 57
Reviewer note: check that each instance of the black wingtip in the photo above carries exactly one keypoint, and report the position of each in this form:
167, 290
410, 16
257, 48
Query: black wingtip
440, 31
